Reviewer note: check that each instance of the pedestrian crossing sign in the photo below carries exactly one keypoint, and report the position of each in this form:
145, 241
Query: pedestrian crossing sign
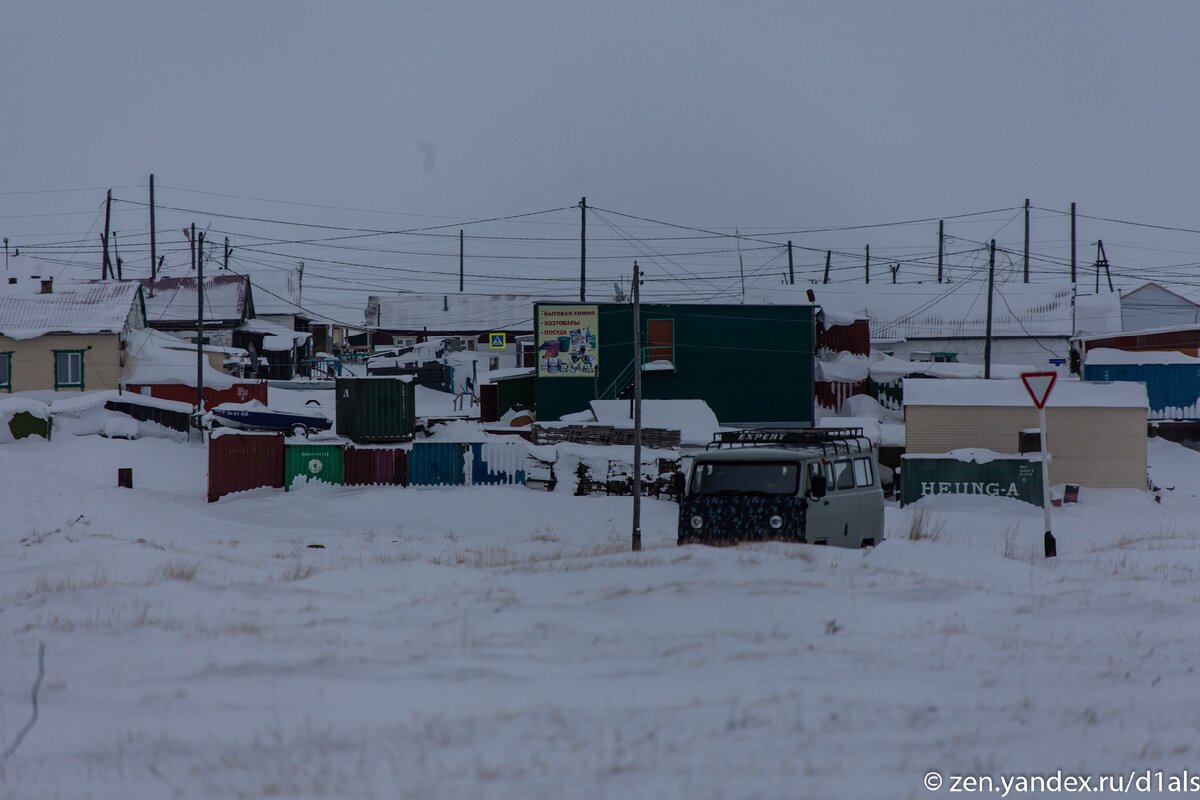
498, 341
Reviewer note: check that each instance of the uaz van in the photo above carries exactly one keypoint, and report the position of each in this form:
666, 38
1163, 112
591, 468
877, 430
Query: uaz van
806, 485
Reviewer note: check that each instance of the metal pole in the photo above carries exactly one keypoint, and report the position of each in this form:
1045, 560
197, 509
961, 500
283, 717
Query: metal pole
637, 412
153, 238
987, 342
1049, 546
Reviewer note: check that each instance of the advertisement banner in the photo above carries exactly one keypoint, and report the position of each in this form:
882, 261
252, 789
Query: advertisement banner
567, 341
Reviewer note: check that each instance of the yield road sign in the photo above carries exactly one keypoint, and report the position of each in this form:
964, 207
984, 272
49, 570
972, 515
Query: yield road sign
1039, 385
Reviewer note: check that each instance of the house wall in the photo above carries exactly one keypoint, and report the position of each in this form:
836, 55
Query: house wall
1154, 307
33, 360
1027, 352
1103, 448
751, 364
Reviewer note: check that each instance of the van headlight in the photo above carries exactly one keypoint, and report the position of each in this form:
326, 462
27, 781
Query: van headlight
775, 522
697, 522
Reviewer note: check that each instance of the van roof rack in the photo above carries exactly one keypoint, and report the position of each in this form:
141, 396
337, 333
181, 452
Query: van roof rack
825, 438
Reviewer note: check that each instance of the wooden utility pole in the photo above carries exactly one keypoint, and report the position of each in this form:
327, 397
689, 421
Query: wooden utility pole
637, 411
828, 257
941, 245
868, 264
791, 266
1104, 263
228, 253
583, 249
461, 256
1072, 244
741, 269
153, 238
117, 256
106, 267
1027, 240
987, 341
895, 270
198, 266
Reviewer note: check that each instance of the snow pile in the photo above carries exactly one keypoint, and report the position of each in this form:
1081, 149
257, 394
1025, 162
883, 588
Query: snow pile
150, 363
865, 406
694, 420
979, 455
12, 406
85, 415
843, 368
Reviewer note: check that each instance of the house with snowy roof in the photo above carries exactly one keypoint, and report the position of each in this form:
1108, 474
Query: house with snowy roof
1155, 305
171, 305
1031, 323
66, 337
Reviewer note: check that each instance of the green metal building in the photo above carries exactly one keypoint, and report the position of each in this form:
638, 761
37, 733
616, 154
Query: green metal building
752, 364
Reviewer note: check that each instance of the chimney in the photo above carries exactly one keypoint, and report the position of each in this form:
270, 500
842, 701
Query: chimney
12, 280
812, 298
445, 303
48, 286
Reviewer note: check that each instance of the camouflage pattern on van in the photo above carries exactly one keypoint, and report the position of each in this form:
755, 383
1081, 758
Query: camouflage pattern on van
734, 518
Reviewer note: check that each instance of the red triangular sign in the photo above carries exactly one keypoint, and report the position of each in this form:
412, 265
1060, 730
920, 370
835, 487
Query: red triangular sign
1039, 384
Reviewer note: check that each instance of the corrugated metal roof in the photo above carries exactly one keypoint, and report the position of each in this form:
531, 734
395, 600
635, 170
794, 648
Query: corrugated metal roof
101, 307
225, 298
957, 310
276, 291
456, 312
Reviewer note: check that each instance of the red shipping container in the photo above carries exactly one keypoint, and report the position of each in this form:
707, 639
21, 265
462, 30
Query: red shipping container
241, 461
854, 338
376, 466
238, 393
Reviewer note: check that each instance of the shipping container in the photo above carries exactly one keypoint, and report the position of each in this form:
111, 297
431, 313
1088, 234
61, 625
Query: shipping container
318, 462
1174, 389
437, 464
504, 462
978, 472
241, 392
376, 409
1185, 340
375, 466
241, 461
853, 338
505, 394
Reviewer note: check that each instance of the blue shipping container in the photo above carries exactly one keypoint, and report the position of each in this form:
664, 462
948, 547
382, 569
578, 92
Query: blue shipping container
498, 463
437, 464
1174, 389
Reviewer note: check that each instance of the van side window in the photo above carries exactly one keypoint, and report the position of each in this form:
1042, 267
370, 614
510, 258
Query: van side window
826, 469
844, 475
862, 472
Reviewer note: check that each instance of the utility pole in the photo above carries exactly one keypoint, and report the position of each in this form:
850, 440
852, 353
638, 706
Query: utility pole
198, 265
117, 255
583, 249
741, 270
941, 245
6, 254
153, 239
828, 257
106, 267
1104, 263
637, 411
1072, 244
228, 253
895, 269
868, 264
460, 259
791, 266
1027, 240
987, 342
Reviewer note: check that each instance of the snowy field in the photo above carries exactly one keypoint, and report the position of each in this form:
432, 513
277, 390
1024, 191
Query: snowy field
498, 642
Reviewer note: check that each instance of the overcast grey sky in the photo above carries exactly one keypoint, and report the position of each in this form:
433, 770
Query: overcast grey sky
771, 116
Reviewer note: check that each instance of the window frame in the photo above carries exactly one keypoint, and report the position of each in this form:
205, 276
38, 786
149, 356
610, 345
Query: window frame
8, 384
82, 370
867, 469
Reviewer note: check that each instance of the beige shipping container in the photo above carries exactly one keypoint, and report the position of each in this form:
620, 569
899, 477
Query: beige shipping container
1096, 431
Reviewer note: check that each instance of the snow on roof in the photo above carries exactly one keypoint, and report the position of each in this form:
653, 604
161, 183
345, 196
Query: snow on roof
151, 363
885, 368
271, 329
1107, 355
1098, 313
977, 455
1188, 292
953, 310
465, 313
694, 420
276, 291
226, 297
843, 368
1065, 394
100, 307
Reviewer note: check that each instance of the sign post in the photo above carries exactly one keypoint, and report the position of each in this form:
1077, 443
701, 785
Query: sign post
1039, 385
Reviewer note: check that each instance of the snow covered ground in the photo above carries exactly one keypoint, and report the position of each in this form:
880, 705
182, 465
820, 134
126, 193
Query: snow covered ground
497, 642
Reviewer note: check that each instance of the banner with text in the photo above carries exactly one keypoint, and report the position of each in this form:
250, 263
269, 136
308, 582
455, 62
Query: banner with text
567, 341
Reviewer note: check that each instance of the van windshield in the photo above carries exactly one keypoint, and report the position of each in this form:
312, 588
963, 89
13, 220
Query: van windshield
746, 477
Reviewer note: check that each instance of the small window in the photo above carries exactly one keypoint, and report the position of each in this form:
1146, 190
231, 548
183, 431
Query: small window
843, 475
863, 473
6, 371
68, 368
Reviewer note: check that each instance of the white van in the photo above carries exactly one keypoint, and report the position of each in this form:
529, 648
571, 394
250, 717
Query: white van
801, 485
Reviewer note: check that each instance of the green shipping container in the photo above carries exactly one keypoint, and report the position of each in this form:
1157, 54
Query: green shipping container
318, 462
513, 393
376, 409
976, 472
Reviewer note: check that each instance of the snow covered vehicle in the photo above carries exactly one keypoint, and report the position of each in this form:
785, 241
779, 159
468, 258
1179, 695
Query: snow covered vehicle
796, 485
